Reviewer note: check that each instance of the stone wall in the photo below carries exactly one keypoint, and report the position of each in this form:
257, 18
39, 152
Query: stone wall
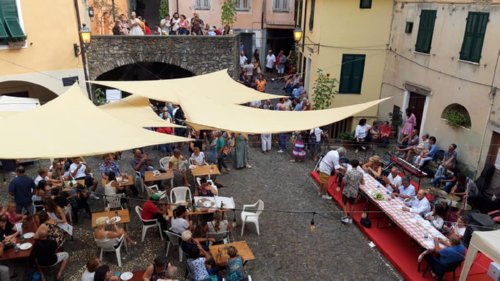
198, 54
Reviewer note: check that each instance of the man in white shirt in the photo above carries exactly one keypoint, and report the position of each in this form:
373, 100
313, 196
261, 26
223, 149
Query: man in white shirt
329, 163
405, 191
318, 133
77, 169
243, 59
42, 175
419, 204
270, 60
393, 181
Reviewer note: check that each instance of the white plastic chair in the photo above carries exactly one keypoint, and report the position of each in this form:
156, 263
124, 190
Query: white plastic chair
164, 162
178, 194
251, 217
139, 181
145, 225
219, 236
110, 245
211, 182
115, 201
153, 189
174, 239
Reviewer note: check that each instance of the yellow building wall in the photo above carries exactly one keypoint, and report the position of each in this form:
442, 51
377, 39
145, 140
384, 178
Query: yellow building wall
341, 27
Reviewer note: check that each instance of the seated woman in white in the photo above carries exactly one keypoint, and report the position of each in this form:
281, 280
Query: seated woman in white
197, 157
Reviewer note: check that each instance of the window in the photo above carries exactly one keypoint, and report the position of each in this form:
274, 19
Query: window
425, 31
201, 5
10, 26
242, 5
409, 27
311, 15
365, 4
281, 6
474, 36
457, 116
351, 74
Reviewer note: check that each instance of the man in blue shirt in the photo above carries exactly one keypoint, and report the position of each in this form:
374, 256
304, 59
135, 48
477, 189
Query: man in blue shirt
21, 187
441, 260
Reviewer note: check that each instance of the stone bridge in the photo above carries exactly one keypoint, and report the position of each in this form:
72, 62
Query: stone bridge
197, 54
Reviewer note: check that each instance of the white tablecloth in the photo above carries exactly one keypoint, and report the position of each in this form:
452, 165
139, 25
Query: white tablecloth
228, 201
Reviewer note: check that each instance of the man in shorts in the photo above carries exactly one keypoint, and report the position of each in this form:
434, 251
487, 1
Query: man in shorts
353, 179
329, 163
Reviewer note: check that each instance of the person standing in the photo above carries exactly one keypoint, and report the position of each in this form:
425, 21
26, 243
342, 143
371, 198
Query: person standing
270, 60
409, 124
353, 179
21, 187
135, 25
175, 24
317, 134
240, 151
281, 63
327, 166
165, 25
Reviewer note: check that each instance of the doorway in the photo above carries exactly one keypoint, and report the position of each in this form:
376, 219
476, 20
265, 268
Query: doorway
149, 10
493, 157
247, 40
416, 104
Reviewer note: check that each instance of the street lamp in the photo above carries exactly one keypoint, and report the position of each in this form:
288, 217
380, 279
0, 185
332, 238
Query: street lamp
86, 37
297, 34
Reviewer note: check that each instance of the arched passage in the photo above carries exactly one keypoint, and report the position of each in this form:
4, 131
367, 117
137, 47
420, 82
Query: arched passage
25, 89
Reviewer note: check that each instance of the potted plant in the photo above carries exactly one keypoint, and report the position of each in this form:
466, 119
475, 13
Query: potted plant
457, 119
347, 138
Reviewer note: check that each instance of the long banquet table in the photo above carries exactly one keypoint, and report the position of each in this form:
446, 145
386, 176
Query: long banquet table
412, 224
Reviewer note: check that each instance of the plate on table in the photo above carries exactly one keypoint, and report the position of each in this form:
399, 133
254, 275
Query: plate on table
126, 276
192, 167
28, 235
114, 220
205, 203
25, 246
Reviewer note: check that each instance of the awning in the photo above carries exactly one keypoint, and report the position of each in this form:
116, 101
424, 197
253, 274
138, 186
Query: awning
136, 110
486, 242
69, 126
217, 86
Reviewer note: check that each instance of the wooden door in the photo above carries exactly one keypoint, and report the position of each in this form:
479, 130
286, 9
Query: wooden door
416, 105
494, 148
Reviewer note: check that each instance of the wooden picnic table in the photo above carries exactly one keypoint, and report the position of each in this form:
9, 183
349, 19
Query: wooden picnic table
219, 252
205, 170
124, 214
12, 254
149, 176
128, 181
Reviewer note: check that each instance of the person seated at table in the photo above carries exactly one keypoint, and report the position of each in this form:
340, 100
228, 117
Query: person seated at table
179, 223
103, 273
442, 258
206, 189
80, 202
419, 205
43, 174
188, 242
196, 262
117, 233
352, 180
160, 269
175, 163
374, 167
212, 269
385, 132
4, 270
235, 271
10, 213
92, 264
77, 169
405, 191
150, 211
55, 211
39, 195
8, 232
374, 132
91, 183
218, 228
460, 187
113, 187
458, 228
141, 162
53, 231
197, 157
415, 149
56, 174
61, 198
392, 181
436, 216
108, 165
46, 255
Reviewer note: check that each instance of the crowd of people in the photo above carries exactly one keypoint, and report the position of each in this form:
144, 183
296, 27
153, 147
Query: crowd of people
169, 25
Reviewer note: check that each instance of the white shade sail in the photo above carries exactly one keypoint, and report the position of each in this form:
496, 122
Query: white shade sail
136, 110
68, 126
217, 86
17, 104
488, 243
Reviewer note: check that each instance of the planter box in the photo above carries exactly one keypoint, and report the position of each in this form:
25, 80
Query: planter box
17, 44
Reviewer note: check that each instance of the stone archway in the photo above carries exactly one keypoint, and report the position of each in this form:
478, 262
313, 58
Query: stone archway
26, 89
197, 54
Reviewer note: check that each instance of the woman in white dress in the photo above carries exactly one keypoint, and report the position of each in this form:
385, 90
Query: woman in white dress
135, 25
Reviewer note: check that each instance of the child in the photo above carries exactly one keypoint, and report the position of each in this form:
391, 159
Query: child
235, 266
10, 213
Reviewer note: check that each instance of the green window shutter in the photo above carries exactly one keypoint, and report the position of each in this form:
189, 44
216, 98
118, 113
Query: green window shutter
3, 32
10, 19
425, 31
351, 74
475, 30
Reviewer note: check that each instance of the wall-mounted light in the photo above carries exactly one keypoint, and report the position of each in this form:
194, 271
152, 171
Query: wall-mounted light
86, 37
297, 37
